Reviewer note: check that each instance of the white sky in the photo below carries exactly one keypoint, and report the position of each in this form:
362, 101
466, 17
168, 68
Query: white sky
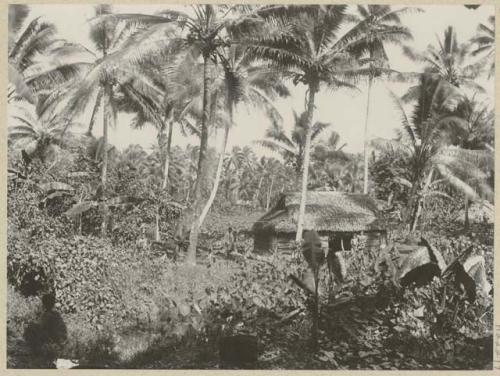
344, 109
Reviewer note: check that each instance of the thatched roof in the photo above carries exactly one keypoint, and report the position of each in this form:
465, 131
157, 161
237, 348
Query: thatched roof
325, 211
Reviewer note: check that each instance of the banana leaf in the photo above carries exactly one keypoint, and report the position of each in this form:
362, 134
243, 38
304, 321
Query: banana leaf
55, 186
80, 208
474, 266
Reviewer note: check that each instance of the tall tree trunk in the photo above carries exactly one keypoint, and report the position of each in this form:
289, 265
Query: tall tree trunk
418, 208
256, 195
305, 165
218, 173
97, 105
106, 99
165, 177
466, 210
200, 174
269, 193
365, 166
167, 155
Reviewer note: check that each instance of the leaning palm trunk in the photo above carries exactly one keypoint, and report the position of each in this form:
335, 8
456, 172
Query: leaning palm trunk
365, 166
305, 165
218, 173
195, 227
97, 105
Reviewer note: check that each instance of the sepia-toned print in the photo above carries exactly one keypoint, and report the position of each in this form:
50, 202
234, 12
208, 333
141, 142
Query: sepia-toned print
215, 186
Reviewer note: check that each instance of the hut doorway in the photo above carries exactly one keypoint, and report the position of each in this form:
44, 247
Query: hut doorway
340, 242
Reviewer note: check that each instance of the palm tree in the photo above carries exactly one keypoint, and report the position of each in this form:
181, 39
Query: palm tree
105, 78
37, 61
292, 148
305, 44
173, 101
206, 29
37, 137
476, 133
240, 172
448, 61
239, 167
273, 177
479, 129
426, 144
388, 28
485, 42
331, 165
244, 82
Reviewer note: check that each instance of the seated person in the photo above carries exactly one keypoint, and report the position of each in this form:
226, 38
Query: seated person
48, 334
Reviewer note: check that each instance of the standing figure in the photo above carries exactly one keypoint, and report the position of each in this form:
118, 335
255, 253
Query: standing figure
229, 241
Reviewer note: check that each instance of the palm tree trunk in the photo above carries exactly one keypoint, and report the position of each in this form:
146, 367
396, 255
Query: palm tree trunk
466, 210
167, 156
165, 177
256, 195
305, 165
418, 209
269, 193
200, 174
365, 166
106, 102
218, 173
98, 104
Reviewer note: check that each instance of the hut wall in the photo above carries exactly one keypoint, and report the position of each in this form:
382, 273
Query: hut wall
285, 243
369, 240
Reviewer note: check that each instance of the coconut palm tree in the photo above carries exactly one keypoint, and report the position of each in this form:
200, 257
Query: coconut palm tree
37, 137
175, 100
244, 82
450, 60
331, 165
239, 166
485, 44
38, 61
305, 44
291, 148
426, 141
105, 79
205, 31
479, 130
372, 54
476, 133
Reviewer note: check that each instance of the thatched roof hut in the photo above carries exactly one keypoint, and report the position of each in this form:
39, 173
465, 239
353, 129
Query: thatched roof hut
331, 214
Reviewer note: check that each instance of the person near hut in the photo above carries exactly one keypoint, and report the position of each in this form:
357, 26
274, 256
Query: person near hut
229, 241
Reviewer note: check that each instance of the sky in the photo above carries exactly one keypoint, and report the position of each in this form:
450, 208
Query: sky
344, 109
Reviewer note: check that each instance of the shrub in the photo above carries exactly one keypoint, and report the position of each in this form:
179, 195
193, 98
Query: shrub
77, 270
20, 311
